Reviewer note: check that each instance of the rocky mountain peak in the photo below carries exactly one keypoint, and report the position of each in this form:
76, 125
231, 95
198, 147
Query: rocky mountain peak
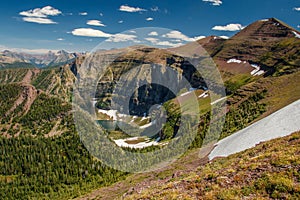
267, 29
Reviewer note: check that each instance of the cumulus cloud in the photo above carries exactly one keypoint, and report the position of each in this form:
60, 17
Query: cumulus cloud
152, 40
214, 2
153, 33
228, 27
120, 22
297, 9
168, 43
60, 39
199, 37
38, 20
89, 32
156, 41
178, 35
120, 37
40, 15
149, 19
126, 8
95, 23
41, 12
83, 13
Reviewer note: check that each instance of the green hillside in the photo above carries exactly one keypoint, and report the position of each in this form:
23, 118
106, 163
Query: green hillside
271, 170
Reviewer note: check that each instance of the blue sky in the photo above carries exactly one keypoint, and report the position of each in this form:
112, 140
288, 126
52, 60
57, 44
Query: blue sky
76, 25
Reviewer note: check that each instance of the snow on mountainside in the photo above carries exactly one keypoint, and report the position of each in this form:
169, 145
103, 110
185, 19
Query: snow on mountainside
278, 124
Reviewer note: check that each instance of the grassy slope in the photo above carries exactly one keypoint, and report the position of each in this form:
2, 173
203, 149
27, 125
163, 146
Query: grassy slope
270, 170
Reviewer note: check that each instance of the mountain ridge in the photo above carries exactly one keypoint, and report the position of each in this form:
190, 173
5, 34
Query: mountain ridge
37, 60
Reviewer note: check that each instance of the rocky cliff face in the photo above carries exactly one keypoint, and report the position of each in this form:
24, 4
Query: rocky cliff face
149, 71
268, 45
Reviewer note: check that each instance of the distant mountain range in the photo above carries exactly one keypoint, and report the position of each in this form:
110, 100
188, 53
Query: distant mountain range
15, 59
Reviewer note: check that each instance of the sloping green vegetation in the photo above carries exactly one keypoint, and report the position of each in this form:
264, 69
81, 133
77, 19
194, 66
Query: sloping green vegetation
43, 114
50, 168
12, 75
8, 95
269, 171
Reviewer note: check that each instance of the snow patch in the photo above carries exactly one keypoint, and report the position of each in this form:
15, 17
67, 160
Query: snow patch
224, 37
297, 35
184, 94
110, 113
260, 72
217, 101
256, 71
147, 125
264, 20
233, 60
203, 95
143, 118
123, 143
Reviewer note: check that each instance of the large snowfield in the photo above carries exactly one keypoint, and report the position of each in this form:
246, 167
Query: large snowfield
279, 124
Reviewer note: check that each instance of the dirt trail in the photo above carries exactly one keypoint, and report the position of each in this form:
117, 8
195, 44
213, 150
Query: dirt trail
27, 77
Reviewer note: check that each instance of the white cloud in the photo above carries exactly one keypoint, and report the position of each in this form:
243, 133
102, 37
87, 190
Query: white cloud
178, 35
41, 12
120, 37
40, 15
298, 26
126, 8
120, 22
214, 2
89, 32
167, 43
155, 9
156, 41
83, 13
297, 9
229, 27
60, 39
152, 40
149, 19
101, 14
95, 23
153, 33
38, 20
30, 51
199, 37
